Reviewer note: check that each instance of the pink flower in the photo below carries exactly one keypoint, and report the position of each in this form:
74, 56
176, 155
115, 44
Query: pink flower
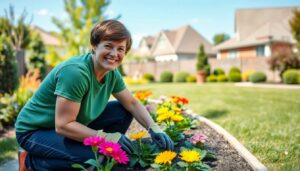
198, 138
109, 147
93, 141
120, 156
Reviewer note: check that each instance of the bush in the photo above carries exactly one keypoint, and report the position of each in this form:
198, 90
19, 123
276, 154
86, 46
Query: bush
290, 76
191, 79
234, 69
299, 79
246, 75
258, 77
211, 78
219, 71
149, 77
235, 77
181, 76
166, 77
222, 78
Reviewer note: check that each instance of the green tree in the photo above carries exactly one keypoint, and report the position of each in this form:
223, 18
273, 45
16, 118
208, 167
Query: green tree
36, 56
82, 16
295, 27
219, 38
202, 61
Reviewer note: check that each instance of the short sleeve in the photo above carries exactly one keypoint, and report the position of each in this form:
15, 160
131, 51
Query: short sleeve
119, 83
71, 82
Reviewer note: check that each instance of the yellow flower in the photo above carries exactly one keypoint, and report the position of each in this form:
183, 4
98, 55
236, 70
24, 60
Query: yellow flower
139, 135
163, 117
177, 118
190, 156
162, 110
165, 157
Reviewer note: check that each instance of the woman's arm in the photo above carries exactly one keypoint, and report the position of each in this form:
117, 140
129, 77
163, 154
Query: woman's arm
65, 120
138, 111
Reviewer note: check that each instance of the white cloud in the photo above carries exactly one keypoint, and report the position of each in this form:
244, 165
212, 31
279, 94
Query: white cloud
43, 12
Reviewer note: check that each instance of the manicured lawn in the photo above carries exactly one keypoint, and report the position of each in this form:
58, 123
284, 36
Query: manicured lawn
266, 121
8, 149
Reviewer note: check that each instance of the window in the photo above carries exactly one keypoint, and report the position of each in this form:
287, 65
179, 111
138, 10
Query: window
260, 50
232, 54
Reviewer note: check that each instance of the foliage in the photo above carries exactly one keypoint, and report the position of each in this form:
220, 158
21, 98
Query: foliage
219, 71
284, 59
202, 60
75, 31
181, 76
166, 76
246, 75
258, 77
121, 70
295, 27
234, 77
290, 76
234, 69
222, 78
191, 79
219, 38
36, 56
211, 78
52, 57
12, 104
149, 77
8, 66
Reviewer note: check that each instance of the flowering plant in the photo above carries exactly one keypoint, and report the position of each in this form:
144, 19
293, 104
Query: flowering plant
112, 151
192, 159
163, 161
143, 153
198, 140
142, 96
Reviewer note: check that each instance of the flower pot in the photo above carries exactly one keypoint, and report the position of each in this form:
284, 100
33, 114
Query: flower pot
201, 75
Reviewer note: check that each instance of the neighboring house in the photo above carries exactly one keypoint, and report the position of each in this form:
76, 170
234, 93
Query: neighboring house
173, 45
258, 33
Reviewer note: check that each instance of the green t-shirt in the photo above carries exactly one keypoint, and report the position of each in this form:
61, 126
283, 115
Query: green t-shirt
75, 80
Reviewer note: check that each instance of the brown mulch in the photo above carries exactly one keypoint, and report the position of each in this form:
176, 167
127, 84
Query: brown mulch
228, 158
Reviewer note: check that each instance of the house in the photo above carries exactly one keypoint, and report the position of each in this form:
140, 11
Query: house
173, 45
258, 33
47, 38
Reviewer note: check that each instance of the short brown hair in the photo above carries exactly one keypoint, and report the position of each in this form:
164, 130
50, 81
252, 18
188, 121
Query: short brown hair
110, 30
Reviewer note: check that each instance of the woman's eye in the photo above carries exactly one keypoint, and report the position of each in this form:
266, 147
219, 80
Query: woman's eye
121, 50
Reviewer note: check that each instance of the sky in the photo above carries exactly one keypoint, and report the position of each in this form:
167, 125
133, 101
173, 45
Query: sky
148, 17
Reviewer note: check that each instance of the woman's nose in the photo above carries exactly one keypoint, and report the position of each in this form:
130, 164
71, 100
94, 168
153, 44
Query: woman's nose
113, 52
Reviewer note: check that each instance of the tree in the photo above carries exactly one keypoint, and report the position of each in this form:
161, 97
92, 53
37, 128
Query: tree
219, 38
202, 61
295, 27
36, 57
284, 59
81, 18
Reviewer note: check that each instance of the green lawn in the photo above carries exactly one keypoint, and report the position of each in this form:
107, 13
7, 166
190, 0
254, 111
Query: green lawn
8, 149
266, 121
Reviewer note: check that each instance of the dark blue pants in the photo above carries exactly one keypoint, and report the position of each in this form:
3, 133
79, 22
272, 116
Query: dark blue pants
48, 150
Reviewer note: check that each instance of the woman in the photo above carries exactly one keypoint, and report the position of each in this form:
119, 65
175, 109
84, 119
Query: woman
72, 104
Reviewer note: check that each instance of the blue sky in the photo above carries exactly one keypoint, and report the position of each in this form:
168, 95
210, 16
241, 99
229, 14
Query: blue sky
148, 17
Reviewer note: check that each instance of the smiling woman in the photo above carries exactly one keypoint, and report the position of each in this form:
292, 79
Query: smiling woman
71, 104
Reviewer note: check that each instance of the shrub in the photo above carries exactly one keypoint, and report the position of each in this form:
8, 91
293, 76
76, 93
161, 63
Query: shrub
219, 71
202, 61
258, 77
149, 77
246, 75
191, 79
211, 78
299, 79
234, 69
222, 78
181, 76
166, 76
290, 76
235, 77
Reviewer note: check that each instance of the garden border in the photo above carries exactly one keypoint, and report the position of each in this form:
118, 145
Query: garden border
250, 158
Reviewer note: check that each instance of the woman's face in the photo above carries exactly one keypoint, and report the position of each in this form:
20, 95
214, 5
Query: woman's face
109, 54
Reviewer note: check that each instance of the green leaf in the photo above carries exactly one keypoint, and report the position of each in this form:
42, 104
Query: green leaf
210, 155
182, 164
142, 163
155, 166
92, 162
133, 160
78, 166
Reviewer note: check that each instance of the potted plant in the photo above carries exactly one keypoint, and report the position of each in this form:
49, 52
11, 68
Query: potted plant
202, 66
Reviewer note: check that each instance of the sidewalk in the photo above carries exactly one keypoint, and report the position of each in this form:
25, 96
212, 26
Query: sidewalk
266, 85
12, 165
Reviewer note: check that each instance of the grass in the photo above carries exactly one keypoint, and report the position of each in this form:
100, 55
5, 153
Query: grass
8, 150
266, 121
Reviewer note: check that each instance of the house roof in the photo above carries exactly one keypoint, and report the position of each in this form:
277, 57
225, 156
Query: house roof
47, 37
257, 26
182, 40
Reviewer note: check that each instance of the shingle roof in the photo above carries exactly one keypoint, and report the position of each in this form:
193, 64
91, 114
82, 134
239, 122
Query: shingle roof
256, 26
47, 38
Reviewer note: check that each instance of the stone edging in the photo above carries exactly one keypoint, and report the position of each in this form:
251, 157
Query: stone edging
251, 159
